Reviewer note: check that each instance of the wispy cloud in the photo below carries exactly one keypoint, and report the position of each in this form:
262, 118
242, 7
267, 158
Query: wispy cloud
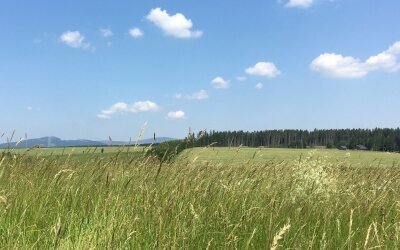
136, 32
299, 3
106, 32
265, 69
241, 78
174, 25
74, 39
259, 86
339, 66
220, 83
122, 107
176, 115
200, 95
32, 109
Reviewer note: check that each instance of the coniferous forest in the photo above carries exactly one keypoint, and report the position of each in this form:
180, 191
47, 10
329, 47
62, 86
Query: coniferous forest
378, 139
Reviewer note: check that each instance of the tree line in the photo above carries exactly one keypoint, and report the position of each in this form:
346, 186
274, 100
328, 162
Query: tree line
378, 139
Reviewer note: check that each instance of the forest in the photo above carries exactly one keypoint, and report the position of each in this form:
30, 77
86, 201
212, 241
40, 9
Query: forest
378, 139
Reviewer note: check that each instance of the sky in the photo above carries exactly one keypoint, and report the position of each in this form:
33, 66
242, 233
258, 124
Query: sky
92, 69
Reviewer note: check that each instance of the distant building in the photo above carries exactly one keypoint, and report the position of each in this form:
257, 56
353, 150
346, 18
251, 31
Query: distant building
361, 147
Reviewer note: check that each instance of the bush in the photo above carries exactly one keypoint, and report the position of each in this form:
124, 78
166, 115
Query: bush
166, 151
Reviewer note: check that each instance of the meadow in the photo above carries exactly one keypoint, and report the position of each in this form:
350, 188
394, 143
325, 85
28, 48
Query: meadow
205, 198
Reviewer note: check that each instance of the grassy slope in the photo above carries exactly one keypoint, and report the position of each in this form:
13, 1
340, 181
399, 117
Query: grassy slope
203, 199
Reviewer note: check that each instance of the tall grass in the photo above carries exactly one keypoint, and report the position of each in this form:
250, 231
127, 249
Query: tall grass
127, 200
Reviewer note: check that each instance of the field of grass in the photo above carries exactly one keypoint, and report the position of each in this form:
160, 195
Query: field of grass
215, 198
80, 154
265, 155
73, 150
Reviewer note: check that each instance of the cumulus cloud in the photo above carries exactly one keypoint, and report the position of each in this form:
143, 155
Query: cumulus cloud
122, 107
74, 39
176, 115
106, 32
382, 60
220, 83
299, 3
200, 95
174, 25
339, 66
265, 69
259, 86
386, 60
136, 32
395, 48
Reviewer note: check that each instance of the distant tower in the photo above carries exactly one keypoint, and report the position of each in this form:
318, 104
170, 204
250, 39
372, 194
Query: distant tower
154, 136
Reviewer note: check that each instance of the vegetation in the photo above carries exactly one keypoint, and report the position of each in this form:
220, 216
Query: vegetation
76, 151
375, 139
239, 156
167, 151
125, 200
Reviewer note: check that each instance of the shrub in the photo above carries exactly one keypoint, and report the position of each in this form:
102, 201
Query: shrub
166, 151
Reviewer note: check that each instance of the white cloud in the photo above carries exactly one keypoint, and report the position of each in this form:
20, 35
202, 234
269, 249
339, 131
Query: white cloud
135, 32
121, 107
338, 66
200, 95
259, 85
103, 116
383, 60
174, 25
299, 3
241, 78
176, 115
106, 32
266, 69
144, 106
29, 108
395, 48
333, 65
74, 39
220, 83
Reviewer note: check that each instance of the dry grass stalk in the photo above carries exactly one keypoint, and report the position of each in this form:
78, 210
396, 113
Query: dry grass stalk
279, 236
367, 237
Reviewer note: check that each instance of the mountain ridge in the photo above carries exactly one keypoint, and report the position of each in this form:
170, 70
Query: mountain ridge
55, 142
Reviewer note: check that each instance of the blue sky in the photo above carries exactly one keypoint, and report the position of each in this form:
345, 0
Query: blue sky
90, 69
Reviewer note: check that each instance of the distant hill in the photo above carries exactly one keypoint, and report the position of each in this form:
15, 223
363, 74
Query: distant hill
144, 141
55, 142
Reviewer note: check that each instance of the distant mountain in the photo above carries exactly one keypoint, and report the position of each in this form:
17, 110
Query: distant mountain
144, 141
51, 142
54, 142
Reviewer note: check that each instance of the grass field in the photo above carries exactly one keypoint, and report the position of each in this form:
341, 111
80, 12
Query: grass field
265, 155
233, 155
73, 150
215, 198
